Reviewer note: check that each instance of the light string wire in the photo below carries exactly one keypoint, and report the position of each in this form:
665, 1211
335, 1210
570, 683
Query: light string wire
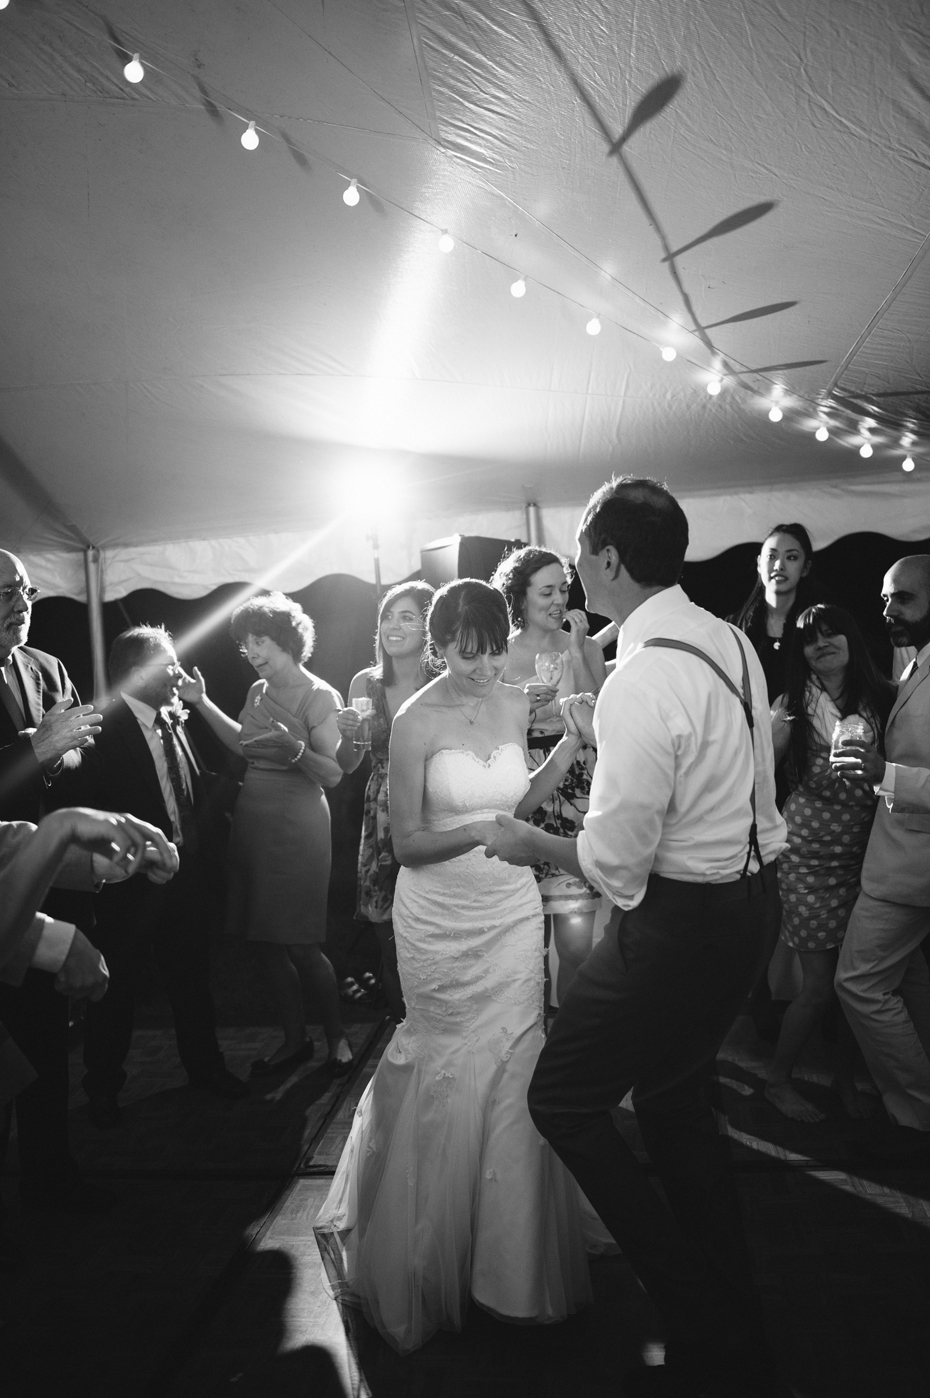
722, 368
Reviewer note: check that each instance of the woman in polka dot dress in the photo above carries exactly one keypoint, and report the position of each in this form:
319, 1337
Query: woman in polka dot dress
829, 818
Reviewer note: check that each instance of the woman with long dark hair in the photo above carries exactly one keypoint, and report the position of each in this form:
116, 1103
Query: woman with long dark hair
535, 584
401, 668
783, 588
831, 677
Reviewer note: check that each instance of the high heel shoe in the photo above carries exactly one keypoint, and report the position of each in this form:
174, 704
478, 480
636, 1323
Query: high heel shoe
340, 1067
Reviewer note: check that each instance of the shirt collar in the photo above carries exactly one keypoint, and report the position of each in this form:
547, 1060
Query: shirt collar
921, 656
143, 712
648, 617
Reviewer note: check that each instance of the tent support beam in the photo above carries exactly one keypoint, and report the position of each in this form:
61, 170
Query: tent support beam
94, 595
533, 524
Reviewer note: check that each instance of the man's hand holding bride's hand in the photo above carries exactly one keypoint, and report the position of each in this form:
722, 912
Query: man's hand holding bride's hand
512, 842
481, 831
578, 716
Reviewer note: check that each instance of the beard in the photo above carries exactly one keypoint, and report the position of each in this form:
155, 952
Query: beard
13, 632
910, 633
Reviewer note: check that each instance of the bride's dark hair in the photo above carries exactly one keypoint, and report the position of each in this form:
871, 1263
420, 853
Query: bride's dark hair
470, 614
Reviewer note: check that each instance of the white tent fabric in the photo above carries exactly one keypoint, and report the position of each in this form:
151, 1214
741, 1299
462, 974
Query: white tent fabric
209, 364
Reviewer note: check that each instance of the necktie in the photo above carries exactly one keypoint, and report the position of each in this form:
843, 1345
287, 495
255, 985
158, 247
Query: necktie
181, 795
9, 694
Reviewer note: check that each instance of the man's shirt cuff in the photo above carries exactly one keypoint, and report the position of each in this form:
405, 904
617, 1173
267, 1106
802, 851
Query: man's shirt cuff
886, 785
54, 944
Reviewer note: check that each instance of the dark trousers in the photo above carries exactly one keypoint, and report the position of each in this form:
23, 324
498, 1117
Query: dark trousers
36, 1018
648, 1011
171, 919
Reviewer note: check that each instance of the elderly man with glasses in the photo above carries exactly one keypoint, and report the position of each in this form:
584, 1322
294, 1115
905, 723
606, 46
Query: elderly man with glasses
43, 729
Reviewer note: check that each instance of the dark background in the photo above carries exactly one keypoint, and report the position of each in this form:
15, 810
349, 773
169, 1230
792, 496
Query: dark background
343, 608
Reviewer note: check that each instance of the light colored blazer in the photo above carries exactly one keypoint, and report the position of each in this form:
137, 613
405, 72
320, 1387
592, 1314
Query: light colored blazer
897, 861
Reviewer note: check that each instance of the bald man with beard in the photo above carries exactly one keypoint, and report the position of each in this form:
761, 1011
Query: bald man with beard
882, 976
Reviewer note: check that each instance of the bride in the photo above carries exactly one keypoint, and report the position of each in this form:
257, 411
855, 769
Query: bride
445, 1188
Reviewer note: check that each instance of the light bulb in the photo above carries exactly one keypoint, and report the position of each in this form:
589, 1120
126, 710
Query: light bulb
134, 72
3, 4
518, 288
775, 414
821, 434
249, 137
866, 450
668, 353
351, 195
714, 387
593, 326
446, 242
907, 464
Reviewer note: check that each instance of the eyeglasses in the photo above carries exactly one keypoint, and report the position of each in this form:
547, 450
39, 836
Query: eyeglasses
28, 594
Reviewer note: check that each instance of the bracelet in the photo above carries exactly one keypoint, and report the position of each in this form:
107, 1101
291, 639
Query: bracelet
299, 754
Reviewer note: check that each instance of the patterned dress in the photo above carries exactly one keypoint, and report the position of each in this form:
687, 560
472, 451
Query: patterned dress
829, 820
377, 867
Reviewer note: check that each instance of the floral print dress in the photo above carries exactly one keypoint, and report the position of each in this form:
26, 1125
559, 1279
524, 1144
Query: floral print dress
377, 867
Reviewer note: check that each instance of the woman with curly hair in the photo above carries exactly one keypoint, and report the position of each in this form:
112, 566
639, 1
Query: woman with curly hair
280, 847
535, 584
401, 668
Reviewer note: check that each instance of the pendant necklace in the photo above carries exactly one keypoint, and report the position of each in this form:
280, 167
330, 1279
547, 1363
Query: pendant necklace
459, 705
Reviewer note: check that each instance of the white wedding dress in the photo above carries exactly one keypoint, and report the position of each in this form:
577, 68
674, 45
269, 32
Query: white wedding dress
445, 1188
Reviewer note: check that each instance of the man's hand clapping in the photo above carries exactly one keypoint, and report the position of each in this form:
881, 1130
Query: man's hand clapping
65, 726
121, 845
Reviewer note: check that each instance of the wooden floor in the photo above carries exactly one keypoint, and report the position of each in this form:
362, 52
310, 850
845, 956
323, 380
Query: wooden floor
205, 1278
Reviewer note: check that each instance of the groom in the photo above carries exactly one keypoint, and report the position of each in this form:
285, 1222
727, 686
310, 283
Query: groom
681, 835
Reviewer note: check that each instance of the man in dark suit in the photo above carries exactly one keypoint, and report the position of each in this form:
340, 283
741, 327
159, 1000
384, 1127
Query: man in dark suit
43, 730
143, 762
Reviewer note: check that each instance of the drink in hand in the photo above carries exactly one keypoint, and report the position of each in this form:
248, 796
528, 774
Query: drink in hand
362, 738
852, 729
549, 666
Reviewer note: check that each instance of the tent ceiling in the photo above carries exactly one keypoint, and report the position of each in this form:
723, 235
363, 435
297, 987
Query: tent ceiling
200, 342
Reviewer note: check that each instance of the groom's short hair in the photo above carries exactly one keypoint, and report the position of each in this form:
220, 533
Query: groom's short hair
645, 524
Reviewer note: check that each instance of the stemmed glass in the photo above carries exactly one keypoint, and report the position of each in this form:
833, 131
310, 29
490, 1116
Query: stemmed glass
549, 666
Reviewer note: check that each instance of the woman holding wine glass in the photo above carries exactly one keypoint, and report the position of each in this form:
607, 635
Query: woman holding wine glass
834, 692
550, 663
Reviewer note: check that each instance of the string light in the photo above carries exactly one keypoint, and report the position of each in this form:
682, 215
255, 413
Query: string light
133, 72
866, 450
518, 288
446, 242
822, 434
775, 413
593, 326
714, 387
3, 4
668, 353
351, 195
907, 464
249, 137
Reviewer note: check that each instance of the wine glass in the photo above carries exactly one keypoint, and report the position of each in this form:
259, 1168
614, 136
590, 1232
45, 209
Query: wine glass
362, 738
549, 666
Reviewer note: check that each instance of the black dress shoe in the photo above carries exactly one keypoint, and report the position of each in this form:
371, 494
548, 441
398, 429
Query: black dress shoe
104, 1113
69, 1196
222, 1083
266, 1067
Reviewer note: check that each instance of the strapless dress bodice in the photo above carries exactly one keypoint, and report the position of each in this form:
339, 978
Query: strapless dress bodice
462, 787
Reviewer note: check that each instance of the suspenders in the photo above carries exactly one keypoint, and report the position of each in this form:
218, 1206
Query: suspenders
745, 699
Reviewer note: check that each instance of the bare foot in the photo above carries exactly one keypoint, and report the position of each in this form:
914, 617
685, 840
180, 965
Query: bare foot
858, 1105
790, 1102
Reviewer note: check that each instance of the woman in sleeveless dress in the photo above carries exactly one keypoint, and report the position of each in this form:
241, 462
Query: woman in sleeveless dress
830, 676
535, 585
280, 843
400, 669
445, 1189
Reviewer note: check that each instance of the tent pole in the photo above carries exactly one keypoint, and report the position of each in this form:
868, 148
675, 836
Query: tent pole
376, 554
95, 620
533, 524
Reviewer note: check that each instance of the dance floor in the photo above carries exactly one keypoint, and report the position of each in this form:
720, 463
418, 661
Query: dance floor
204, 1279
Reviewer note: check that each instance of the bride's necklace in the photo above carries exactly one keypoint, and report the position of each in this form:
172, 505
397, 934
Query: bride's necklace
460, 705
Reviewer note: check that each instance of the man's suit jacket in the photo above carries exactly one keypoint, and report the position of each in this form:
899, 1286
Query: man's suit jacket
23, 791
119, 774
897, 861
